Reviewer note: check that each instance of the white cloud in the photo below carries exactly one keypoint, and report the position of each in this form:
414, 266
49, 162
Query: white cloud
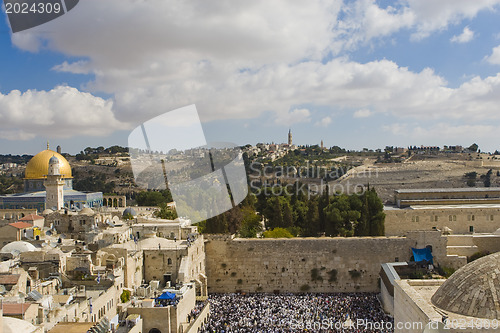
240, 58
444, 133
437, 15
363, 113
466, 36
59, 113
294, 117
366, 20
78, 67
494, 58
324, 122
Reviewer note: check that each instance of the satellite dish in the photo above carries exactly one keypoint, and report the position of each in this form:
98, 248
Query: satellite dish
48, 233
435, 327
2, 289
53, 245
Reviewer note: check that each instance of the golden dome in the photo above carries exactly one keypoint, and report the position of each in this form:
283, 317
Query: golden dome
38, 166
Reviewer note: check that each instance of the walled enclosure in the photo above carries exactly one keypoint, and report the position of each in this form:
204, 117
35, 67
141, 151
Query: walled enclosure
309, 264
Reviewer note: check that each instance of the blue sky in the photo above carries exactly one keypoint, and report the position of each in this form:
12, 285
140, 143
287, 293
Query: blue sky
351, 73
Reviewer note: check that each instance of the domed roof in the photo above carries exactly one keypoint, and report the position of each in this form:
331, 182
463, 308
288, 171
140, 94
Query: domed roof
53, 160
38, 166
14, 325
19, 246
473, 290
47, 211
130, 211
87, 211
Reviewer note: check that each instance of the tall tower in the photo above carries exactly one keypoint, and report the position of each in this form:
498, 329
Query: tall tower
54, 186
321, 144
289, 137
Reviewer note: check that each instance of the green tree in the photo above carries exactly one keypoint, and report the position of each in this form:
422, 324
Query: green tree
250, 223
165, 212
150, 198
473, 147
312, 218
376, 213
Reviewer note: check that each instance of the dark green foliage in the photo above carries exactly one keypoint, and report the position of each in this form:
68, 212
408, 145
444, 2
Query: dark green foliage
473, 147
487, 178
355, 274
315, 276
332, 275
9, 185
153, 198
165, 212
94, 183
250, 223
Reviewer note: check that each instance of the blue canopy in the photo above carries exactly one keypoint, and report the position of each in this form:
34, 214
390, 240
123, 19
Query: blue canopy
166, 295
422, 255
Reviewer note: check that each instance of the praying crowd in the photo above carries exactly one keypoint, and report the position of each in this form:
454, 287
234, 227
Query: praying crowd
284, 313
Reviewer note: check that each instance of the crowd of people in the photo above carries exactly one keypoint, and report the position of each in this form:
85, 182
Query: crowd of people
287, 313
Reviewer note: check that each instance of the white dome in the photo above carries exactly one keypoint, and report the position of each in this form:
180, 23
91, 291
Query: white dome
19, 246
47, 211
87, 211
14, 325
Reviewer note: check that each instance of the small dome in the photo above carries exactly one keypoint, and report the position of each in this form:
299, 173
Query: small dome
15, 325
473, 290
47, 211
18, 246
54, 160
129, 211
87, 211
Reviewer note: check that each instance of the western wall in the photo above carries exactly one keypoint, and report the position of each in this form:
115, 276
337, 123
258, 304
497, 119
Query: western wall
311, 264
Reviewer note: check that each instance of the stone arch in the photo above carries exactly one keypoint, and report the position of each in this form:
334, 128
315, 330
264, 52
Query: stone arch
154, 330
104, 202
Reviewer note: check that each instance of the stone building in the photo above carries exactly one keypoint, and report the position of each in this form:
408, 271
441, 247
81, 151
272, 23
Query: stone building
74, 224
447, 196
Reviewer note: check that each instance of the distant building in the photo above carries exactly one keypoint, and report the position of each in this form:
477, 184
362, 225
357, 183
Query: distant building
447, 196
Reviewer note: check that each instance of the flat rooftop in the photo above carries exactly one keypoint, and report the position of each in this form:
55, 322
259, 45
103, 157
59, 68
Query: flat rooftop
72, 327
459, 206
448, 190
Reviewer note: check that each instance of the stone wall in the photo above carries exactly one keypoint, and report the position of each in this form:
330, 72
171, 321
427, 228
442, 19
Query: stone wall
309, 264
298, 265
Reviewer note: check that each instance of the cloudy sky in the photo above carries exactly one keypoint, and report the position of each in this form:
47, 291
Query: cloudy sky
352, 73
